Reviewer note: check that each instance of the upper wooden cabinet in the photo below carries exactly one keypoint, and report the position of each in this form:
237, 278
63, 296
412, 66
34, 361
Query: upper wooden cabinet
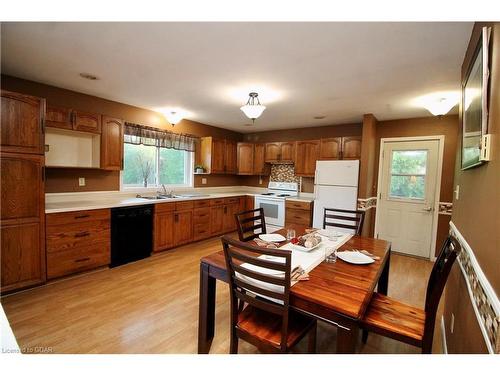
22, 123
246, 158
218, 155
111, 144
277, 152
86, 122
57, 117
306, 154
259, 163
351, 148
330, 148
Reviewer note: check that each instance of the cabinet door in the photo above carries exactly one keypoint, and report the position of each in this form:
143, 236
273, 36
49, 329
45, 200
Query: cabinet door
272, 153
229, 219
231, 156
111, 144
218, 155
21, 123
245, 158
217, 219
86, 122
183, 227
287, 152
307, 152
330, 148
351, 148
57, 117
259, 165
163, 231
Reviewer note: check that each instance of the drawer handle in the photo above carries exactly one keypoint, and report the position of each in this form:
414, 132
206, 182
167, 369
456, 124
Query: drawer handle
202, 215
82, 234
82, 260
81, 216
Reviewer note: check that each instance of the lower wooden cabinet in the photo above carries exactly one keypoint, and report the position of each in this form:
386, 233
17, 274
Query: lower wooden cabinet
201, 223
163, 228
216, 219
183, 227
298, 212
229, 220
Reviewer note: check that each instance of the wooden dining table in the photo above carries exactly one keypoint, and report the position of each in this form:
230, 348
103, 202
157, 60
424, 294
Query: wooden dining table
337, 293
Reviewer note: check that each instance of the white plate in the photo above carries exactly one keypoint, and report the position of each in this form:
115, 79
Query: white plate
354, 257
272, 237
331, 232
303, 248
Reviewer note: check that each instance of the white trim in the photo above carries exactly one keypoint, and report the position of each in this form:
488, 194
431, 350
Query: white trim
444, 345
488, 289
437, 193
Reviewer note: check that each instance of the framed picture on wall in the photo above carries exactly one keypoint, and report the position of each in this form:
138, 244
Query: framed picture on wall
475, 103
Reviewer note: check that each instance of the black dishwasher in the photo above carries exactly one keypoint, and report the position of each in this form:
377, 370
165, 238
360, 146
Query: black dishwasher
131, 234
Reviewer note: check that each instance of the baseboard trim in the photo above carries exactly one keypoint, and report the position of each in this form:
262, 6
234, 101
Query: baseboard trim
484, 300
443, 336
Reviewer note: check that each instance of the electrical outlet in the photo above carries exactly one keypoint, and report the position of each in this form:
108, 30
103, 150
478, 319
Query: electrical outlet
457, 192
81, 181
260, 180
203, 181
452, 323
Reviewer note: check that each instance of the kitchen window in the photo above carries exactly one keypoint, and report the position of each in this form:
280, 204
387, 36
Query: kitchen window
153, 157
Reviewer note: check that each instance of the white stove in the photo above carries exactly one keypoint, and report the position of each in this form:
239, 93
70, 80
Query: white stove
273, 203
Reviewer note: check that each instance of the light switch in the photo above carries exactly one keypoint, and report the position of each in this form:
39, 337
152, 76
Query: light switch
457, 192
260, 180
81, 181
452, 323
203, 181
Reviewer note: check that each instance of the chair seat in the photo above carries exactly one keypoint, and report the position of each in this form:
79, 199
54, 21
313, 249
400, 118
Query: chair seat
394, 319
266, 327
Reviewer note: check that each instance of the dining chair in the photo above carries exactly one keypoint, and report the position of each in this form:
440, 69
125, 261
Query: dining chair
348, 219
266, 321
412, 325
247, 223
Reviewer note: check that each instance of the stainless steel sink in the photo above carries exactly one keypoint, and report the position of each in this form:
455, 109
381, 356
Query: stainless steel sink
156, 197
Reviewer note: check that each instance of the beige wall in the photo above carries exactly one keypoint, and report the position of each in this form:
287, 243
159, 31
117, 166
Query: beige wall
476, 215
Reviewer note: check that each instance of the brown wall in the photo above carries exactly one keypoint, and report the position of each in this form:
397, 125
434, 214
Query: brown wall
63, 180
476, 215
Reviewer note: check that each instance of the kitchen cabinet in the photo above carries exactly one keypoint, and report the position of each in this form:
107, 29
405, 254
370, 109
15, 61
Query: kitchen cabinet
183, 222
351, 148
231, 207
86, 122
111, 144
330, 148
307, 152
163, 226
246, 158
216, 219
259, 163
218, 155
201, 223
272, 153
57, 117
77, 241
287, 154
298, 212
22, 123
280, 152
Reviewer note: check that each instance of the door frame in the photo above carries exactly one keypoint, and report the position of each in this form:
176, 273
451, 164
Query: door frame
435, 219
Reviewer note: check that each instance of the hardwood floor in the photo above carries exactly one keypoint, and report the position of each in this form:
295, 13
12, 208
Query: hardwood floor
151, 306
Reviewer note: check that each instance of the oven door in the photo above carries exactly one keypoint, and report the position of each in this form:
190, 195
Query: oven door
274, 210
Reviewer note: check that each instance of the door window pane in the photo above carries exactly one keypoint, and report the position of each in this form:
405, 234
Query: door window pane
172, 166
139, 162
408, 171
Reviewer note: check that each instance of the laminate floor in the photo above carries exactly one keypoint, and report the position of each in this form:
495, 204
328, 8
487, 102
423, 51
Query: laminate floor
151, 306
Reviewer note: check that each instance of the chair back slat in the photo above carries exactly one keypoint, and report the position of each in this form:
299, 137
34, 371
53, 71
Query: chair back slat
262, 290
352, 219
249, 232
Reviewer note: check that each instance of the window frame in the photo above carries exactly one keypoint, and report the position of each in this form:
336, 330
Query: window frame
391, 197
188, 174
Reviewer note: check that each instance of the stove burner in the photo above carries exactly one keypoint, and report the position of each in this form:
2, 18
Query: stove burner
267, 193
284, 195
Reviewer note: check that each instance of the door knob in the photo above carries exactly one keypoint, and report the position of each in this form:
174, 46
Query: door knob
428, 209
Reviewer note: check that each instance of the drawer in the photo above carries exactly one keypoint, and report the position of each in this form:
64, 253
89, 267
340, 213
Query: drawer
217, 202
77, 216
201, 215
202, 203
297, 216
76, 260
298, 205
165, 207
201, 231
68, 236
232, 200
183, 206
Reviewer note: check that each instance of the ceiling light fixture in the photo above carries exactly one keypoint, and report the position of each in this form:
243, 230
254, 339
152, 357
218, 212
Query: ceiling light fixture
173, 117
439, 103
253, 109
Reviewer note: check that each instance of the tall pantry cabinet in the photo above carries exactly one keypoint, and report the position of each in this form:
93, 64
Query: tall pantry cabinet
22, 213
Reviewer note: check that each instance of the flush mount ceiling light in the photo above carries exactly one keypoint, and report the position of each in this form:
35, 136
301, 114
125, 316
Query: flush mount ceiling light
439, 103
253, 109
89, 76
173, 117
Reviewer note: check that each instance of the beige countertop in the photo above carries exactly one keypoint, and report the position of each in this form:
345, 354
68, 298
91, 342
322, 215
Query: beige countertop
302, 198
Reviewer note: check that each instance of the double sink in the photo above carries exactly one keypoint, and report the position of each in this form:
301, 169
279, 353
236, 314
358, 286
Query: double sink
171, 196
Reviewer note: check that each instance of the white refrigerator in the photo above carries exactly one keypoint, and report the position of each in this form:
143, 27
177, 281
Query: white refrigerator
335, 186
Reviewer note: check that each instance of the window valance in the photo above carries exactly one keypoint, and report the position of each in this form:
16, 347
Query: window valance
139, 134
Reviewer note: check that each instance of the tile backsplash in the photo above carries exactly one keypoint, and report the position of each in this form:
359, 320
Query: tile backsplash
283, 173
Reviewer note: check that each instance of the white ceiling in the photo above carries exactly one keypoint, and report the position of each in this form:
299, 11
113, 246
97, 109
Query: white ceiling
301, 70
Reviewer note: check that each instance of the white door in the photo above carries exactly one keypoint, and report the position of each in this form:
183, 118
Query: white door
405, 210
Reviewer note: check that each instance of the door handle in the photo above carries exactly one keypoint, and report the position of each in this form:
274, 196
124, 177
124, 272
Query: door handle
428, 209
